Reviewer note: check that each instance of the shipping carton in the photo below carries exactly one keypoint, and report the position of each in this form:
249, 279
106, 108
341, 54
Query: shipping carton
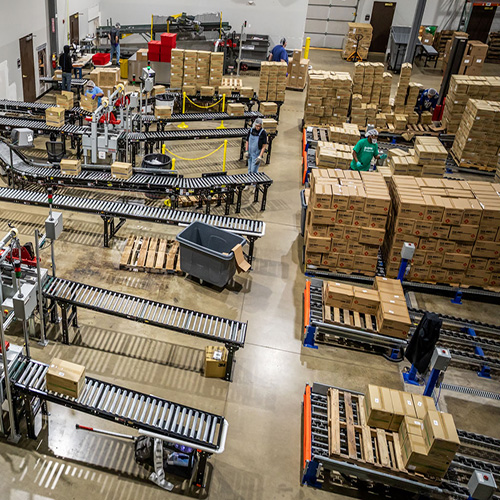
65, 378
215, 361
378, 405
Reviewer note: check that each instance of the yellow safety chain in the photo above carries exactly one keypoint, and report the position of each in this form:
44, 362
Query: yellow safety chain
207, 106
194, 159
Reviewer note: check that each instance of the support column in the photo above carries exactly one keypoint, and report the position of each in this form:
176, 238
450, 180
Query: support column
417, 21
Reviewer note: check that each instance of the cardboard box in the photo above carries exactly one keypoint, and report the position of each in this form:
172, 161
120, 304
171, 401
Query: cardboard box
70, 167
158, 90
365, 300
88, 104
317, 244
422, 405
378, 405
121, 170
65, 378
338, 295
54, 116
235, 109
163, 111
268, 108
65, 99
440, 433
215, 362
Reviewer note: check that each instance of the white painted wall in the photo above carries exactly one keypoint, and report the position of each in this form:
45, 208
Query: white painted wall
18, 20
87, 9
276, 18
443, 13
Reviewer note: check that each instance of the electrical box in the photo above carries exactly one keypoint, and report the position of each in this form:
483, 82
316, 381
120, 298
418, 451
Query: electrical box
22, 137
481, 485
54, 225
134, 99
408, 251
25, 301
441, 358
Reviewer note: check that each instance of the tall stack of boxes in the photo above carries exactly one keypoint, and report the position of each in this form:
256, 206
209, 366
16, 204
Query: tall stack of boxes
351, 43
297, 71
347, 133
333, 155
328, 98
402, 90
190, 64
461, 89
454, 226
474, 143
368, 80
346, 220
473, 59
272, 83
202, 68
177, 69
428, 438
385, 92
216, 68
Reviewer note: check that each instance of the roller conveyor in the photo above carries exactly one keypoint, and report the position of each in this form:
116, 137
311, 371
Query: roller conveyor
126, 407
183, 135
229, 332
40, 125
197, 117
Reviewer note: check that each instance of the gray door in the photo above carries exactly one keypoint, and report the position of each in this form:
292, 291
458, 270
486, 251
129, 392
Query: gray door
326, 21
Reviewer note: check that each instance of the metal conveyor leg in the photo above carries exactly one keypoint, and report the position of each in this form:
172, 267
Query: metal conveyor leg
264, 198
64, 324
256, 194
251, 244
231, 350
200, 474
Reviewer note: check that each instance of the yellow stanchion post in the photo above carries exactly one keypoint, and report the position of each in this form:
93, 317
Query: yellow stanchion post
223, 109
183, 125
163, 149
224, 158
173, 164
306, 50
151, 27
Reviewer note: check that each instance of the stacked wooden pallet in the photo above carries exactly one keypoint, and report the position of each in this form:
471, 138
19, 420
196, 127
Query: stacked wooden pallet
151, 255
441, 39
494, 47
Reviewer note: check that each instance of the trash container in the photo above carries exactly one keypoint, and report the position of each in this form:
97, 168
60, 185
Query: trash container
205, 252
157, 160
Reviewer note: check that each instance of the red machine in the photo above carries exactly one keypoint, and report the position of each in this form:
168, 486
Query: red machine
27, 255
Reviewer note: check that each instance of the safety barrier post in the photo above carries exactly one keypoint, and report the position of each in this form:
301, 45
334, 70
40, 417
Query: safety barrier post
163, 149
151, 27
223, 109
224, 158
173, 164
183, 125
306, 50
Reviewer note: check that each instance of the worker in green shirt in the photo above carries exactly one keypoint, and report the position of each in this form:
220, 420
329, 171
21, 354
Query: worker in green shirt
365, 150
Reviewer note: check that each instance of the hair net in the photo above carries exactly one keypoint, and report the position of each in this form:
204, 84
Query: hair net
90, 84
372, 132
283, 41
258, 121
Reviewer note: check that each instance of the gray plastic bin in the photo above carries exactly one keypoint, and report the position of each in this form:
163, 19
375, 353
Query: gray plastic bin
202, 249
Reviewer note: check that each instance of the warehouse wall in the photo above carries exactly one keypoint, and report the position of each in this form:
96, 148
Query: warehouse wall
18, 20
276, 18
87, 9
443, 13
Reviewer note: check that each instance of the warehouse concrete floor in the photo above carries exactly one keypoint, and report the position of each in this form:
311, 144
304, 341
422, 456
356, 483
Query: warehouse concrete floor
262, 459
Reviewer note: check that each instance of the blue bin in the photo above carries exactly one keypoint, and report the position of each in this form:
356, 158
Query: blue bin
205, 253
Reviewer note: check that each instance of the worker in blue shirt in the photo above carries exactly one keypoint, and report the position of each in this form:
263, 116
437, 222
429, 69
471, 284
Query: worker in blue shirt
427, 101
94, 91
279, 53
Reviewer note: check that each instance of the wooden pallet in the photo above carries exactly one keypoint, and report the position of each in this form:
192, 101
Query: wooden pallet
350, 439
346, 317
151, 255
473, 166
320, 134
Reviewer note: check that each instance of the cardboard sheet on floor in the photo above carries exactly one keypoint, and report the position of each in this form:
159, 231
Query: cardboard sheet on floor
241, 264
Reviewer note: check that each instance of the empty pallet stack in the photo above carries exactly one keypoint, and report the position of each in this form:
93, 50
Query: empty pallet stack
475, 146
494, 47
346, 220
359, 36
272, 83
462, 88
453, 225
328, 98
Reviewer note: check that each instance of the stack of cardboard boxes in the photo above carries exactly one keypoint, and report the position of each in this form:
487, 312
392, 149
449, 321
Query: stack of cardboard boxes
272, 83
216, 68
386, 302
348, 133
106, 78
202, 68
402, 90
333, 155
177, 69
473, 59
297, 71
453, 225
494, 46
428, 438
449, 43
346, 220
474, 143
367, 81
461, 89
351, 42
328, 98
385, 93
190, 64
65, 99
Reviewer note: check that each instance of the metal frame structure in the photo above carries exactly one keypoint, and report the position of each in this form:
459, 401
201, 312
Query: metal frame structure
318, 465
109, 211
70, 295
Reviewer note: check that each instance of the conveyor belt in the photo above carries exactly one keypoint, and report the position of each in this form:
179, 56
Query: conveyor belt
40, 126
8, 105
208, 326
77, 82
183, 135
198, 117
245, 227
126, 407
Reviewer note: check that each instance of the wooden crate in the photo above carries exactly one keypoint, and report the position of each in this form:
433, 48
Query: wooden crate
151, 255
346, 317
351, 440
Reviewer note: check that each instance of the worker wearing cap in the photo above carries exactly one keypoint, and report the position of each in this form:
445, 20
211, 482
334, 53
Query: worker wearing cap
279, 53
114, 38
365, 150
255, 146
92, 90
427, 101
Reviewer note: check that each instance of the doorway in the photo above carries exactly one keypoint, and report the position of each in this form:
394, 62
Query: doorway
28, 68
480, 22
74, 29
381, 20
